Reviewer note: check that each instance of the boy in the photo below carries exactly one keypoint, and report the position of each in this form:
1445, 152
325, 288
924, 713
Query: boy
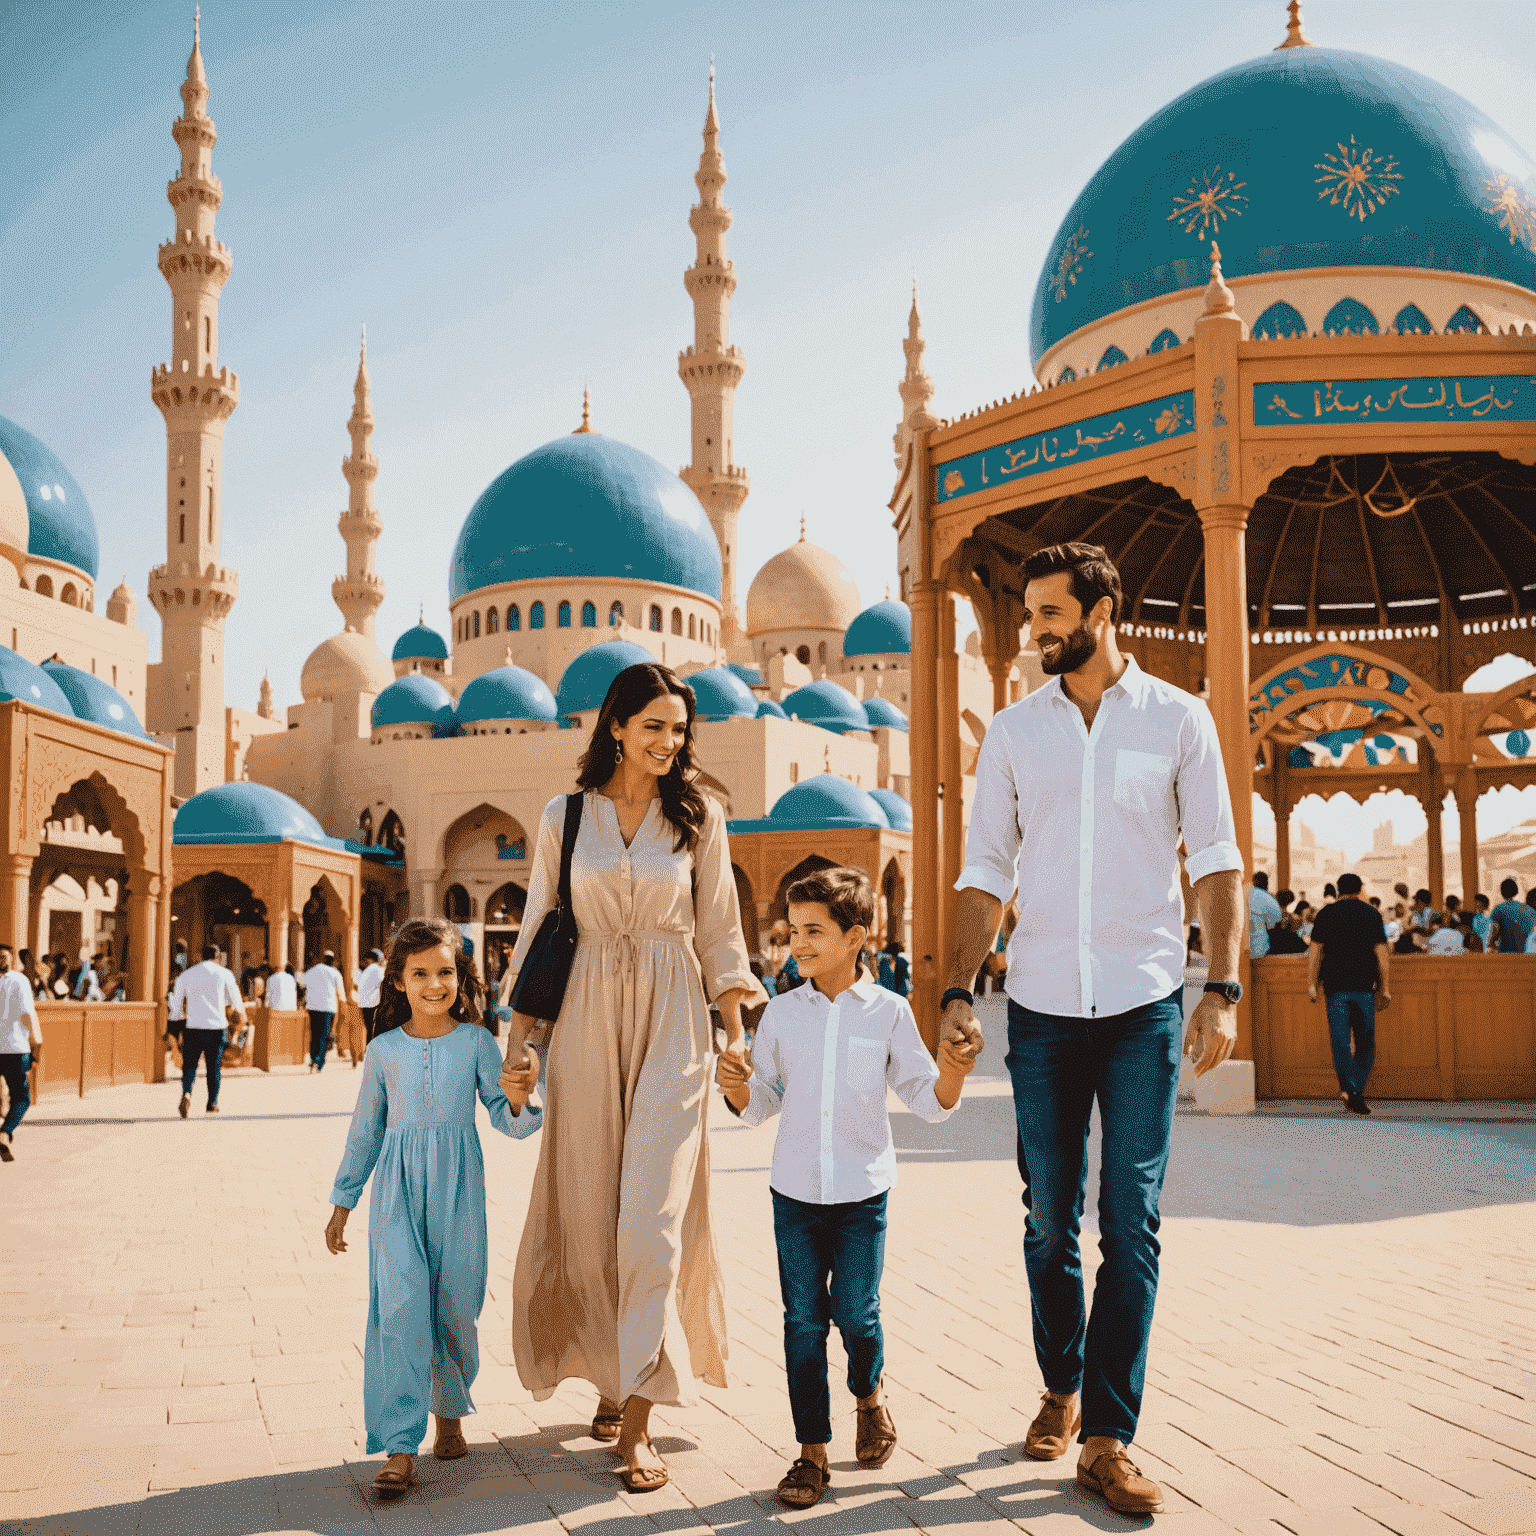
824, 1055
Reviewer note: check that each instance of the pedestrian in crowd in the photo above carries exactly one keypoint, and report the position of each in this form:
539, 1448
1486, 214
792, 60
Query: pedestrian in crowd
200, 996
1308, 915
1392, 922
283, 989
368, 985
901, 968
21, 1046
58, 978
1512, 920
617, 1280
325, 989
1482, 918
413, 1131
1285, 938
1421, 914
1107, 768
35, 977
1445, 937
1263, 914
179, 959
1349, 959
1471, 942
823, 1059
1330, 893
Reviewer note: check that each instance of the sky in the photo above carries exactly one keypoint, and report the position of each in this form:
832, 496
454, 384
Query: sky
500, 193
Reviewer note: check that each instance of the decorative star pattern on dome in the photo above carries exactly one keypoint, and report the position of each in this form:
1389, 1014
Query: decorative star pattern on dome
1516, 212
1213, 196
1075, 255
1357, 179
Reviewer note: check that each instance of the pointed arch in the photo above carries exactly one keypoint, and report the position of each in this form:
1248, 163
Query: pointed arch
1067, 376
1465, 320
1339, 672
1349, 317
1279, 321
1163, 340
1412, 321
1112, 358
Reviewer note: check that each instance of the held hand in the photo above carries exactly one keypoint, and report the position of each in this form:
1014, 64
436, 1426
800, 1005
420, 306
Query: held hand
956, 1060
1383, 1000
1311, 994
958, 1024
335, 1229
519, 1074
736, 1061
1212, 1033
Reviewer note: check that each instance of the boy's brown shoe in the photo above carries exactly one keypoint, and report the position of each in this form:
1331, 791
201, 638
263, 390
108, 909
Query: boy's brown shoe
1118, 1481
1052, 1431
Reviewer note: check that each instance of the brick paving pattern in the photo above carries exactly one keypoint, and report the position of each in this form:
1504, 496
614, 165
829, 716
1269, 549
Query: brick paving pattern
1345, 1340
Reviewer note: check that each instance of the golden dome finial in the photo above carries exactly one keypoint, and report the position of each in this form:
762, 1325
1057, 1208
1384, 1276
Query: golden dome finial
1218, 297
586, 414
1294, 36
802, 527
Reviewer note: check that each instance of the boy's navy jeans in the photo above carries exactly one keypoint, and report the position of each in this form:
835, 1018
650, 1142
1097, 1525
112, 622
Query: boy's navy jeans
830, 1261
1129, 1062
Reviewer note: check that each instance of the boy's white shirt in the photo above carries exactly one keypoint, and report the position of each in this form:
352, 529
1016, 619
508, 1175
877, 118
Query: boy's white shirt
823, 1066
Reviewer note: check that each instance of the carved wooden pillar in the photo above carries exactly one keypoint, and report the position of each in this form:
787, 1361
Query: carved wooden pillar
1466, 807
1280, 780
143, 910
1432, 798
15, 898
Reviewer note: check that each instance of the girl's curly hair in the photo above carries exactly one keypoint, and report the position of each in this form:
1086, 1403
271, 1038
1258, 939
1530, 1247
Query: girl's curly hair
411, 939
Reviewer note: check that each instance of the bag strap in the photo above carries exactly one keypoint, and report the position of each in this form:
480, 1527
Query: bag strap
568, 847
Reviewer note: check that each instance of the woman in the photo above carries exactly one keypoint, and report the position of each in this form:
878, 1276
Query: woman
617, 1280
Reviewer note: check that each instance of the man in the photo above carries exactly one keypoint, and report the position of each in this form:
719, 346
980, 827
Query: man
21, 1046
1263, 914
1286, 939
179, 958
1108, 768
87, 987
1421, 914
1349, 956
1482, 919
283, 989
368, 990
1512, 921
324, 989
201, 994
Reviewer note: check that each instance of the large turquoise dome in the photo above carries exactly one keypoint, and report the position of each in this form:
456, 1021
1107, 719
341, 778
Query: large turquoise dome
23, 680
586, 506
62, 525
93, 699
1304, 158
585, 683
884, 629
419, 643
243, 812
413, 700
506, 693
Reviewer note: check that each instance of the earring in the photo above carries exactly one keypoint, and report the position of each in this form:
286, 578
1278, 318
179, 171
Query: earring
618, 751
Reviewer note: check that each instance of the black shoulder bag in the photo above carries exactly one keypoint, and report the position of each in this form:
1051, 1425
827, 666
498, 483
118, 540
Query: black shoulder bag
541, 983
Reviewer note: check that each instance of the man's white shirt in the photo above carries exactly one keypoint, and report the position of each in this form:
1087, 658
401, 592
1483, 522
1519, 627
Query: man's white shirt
322, 988
369, 984
282, 990
823, 1067
202, 990
1085, 824
18, 1012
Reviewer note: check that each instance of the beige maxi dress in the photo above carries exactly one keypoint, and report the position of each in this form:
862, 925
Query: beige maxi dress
617, 1281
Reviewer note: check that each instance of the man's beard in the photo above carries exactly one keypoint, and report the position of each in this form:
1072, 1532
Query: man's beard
1076, 649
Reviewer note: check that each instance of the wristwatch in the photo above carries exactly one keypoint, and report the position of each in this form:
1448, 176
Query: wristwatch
1231, 990
956, 994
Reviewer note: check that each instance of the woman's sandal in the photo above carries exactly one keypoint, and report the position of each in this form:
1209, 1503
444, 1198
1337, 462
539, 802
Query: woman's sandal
393, 1480
630, 1476
450, 1447
875, 1437
801, 1486
606, 1426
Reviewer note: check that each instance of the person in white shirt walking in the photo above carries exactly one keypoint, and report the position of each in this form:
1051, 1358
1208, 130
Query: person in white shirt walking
283, 989
325, 989
368, 984
1084, 789
822, 1059
21, 1045
201, 994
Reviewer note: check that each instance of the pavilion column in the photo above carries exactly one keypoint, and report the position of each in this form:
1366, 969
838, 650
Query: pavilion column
1466, 807
15, 898
952, 827
143, 889
928, 960
279, 926
1432, 798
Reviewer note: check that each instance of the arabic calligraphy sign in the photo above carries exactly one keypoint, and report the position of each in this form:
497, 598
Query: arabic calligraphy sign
1496, 397
1152, 421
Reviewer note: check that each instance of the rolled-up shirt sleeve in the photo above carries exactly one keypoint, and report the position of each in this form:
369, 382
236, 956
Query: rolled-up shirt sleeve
992, 840
1205, 803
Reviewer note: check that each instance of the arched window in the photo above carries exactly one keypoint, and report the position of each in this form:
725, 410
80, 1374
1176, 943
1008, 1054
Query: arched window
492, 620
803, 655
677, 621
1112, 358
1067, 376
1349, 317
616, 615
1163, 340
456, 904
655, 619
588, 616
563, 616
1412, 321
69, 595
474, 624
514, 617
821, 653
536, 616
1464, 320
692, 634
45, 586
1279, 320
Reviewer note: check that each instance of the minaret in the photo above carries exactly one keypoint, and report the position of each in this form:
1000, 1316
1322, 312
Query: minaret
265, 707
192, 592
359, 593
712, 368
916, 388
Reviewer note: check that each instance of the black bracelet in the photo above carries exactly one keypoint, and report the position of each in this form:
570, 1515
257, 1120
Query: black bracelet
961, 993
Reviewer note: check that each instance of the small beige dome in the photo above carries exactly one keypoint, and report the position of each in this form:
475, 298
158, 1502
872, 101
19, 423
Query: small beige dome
802, 587
346, 663
15, 525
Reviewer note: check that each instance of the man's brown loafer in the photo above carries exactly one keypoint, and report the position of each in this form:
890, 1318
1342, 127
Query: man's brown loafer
1118, 1481
874, 1436
1052, 1431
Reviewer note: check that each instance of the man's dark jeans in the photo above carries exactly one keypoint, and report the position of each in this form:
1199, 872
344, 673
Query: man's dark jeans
844, 1245
14, 1069
1129, 1062
209, 1044
1352, 1067
319, 1037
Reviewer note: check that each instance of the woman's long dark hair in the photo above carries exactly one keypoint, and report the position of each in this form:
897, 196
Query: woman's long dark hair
627, 695
413, 937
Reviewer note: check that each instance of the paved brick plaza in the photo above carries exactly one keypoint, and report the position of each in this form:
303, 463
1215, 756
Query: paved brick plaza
1345, 1339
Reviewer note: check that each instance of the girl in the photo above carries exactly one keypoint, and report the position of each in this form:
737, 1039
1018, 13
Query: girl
414, 1128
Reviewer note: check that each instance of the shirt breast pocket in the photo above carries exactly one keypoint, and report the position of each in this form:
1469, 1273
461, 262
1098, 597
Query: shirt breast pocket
1143, 780
866, 1065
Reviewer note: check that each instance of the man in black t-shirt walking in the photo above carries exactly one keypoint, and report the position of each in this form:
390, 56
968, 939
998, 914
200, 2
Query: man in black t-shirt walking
1349, 955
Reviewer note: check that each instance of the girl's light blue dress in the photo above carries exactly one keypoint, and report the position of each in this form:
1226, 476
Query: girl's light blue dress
414, 1131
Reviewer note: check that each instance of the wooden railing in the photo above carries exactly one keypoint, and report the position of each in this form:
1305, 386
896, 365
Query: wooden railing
1459, 1027
99, 1045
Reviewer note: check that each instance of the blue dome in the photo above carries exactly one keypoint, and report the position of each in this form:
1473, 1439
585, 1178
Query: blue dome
828, 801
826, 704
768, 707
62, 527
243, 812
412, 700
881, 630
1302, 158
749, 675
420, 644
507, 693
19, 679
586, 680
897, 810
91, 699
585, 506
881, 712
722, 695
